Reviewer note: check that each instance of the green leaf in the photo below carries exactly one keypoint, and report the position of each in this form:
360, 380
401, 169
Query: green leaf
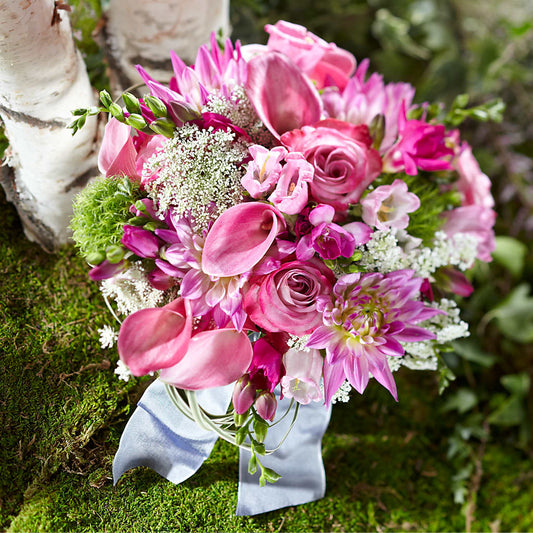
517, 384
252, 464
471, 351
462, 401
510, 413
260, 428
270, 475
510, 253
514, 315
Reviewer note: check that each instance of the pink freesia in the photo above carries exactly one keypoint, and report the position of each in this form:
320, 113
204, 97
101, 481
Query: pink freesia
286, 299
323, 62
291, 193
156, 338
342, 158
474, 220
388, 206
329, 239
243, 395
214, 358
473, 184
263, 170
282, 96
265, 370
240, 238
117, 153
303, 372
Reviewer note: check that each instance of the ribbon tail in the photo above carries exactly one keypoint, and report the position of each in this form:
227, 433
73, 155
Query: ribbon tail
298, 461
160, 437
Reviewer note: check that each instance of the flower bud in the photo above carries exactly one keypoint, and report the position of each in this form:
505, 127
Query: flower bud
140, 241
132, 103
163, 126
243, 395
136, 121
106, 99
266, 405
156, 106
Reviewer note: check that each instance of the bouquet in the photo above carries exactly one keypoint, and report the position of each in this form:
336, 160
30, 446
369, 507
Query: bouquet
274, 219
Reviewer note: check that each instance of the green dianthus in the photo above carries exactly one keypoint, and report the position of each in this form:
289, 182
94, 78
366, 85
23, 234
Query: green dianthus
100, 212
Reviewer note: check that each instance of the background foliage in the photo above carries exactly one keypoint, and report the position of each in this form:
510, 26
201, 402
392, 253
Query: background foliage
461, 460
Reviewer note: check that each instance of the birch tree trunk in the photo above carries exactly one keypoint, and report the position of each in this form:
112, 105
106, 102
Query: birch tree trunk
42, 78
142, 32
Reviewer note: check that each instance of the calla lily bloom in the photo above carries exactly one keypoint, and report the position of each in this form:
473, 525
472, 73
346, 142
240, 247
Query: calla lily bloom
240, 238
282, 96
214, 358
155, 338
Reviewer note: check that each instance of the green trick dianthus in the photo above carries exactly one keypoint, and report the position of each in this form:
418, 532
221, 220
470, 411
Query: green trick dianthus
100, 212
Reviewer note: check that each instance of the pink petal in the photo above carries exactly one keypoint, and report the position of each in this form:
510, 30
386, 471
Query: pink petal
380, 370
214, 358
333, 378
117, 154
282, 96
240, 238
151, 339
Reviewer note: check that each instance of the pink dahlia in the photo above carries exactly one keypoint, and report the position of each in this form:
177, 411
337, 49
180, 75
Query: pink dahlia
365, 319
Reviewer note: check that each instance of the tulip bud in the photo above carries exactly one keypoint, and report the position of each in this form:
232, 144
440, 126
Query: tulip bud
265, 405
243, 395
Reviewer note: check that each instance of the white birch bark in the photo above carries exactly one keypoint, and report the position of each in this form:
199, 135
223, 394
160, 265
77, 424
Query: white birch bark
141, 32
42, 78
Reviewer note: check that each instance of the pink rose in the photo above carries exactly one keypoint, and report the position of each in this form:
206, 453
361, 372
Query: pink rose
323, 62
285, 300
343, 160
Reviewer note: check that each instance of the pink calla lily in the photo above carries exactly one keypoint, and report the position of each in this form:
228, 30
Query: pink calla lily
214, 358
117, 153
240, 238
282, 96
151, 339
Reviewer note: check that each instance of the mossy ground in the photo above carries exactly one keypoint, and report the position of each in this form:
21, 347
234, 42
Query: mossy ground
62, 412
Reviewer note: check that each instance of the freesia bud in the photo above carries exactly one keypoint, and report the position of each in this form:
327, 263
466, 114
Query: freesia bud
132, 103
266, 405
243, 395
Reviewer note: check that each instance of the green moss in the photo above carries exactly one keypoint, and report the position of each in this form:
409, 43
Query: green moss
100, 212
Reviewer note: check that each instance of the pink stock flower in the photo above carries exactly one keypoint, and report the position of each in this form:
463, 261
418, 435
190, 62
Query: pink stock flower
291, 193
323, 62
361, 101
420, 146
263, 170
240, 238
342, 158
474, 220
285, 300
387, 206
365, 319
303, 372
283, 97
329, 239
117, 153
473, 184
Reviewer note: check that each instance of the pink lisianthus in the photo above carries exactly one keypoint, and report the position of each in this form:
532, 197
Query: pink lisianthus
323, 62
364, 321
342, 158
285, 300
291, 193
473, 184
388, 206
117, 153
328, 239
474, 220
361, 101
420, 146
303, 372
263, 170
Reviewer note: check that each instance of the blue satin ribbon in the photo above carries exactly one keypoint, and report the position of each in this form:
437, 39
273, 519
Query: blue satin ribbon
160, 437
